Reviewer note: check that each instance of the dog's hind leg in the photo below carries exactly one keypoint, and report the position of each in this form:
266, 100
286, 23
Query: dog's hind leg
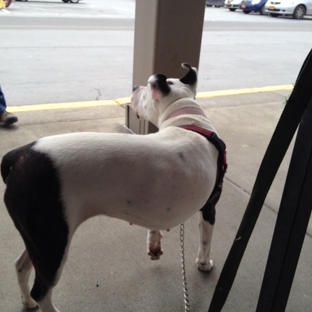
47, 249
46, 304
50, 260
49, 266
34, 201
154, 244
23, 266
203, 261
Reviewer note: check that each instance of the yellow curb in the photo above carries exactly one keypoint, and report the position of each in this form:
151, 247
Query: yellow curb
204, 95
123, 101
126, 100
38, 107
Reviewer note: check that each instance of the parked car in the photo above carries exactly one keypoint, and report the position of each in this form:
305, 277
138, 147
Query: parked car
253, 6
216, 3
71, 1
233, 5
295, 8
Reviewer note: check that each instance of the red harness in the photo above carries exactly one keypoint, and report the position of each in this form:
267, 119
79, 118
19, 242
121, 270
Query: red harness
209, 208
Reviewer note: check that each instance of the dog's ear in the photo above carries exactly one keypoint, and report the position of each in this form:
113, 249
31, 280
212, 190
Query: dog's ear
191, 77
159, 86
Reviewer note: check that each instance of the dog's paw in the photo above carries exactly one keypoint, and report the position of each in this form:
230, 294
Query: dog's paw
29, 305
155, 251
26, 308
204, 266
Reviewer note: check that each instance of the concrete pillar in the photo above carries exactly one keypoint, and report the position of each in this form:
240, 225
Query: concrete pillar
167, 33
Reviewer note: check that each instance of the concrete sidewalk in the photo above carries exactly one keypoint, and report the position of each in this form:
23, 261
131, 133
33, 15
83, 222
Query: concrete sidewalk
108, 269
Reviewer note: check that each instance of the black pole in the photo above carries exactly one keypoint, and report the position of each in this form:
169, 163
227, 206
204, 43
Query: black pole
273, 157
292, 222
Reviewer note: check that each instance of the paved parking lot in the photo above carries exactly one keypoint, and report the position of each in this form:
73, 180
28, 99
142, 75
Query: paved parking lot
120, 9
61, 52
85, 8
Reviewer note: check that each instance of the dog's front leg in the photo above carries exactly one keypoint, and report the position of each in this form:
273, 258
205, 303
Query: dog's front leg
154, 244
204, 263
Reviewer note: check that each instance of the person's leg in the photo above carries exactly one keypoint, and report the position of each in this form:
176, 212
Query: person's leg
7, 3
2, 102
5, 117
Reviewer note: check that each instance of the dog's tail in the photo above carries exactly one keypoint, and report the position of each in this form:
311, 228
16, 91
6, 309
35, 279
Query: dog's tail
10, 159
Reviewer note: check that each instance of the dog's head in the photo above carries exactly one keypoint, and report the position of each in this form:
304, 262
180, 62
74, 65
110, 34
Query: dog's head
150, 101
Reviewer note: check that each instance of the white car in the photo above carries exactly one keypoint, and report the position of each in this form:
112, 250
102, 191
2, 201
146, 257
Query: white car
296, 8
233, 5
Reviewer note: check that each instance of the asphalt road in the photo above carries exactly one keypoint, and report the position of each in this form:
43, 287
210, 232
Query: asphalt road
54, 52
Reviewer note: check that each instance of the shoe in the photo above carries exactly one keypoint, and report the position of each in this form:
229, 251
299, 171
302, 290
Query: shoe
7, 118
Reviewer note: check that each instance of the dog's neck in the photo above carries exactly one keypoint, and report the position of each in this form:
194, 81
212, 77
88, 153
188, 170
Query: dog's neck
184, 112
180, 107
187, 111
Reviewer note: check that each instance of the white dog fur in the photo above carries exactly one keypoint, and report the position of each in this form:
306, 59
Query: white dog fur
58, 182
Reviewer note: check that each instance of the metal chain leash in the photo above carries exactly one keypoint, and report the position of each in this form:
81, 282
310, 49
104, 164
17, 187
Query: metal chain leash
185, 290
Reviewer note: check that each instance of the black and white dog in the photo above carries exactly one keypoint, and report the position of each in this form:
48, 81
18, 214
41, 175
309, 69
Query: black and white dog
58, 182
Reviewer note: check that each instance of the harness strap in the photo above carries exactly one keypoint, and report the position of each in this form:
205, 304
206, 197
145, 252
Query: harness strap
209, 208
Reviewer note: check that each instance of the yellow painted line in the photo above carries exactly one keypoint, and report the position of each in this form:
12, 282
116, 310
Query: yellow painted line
39, 107
21, 26
205, 95
123, 101
126, 100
